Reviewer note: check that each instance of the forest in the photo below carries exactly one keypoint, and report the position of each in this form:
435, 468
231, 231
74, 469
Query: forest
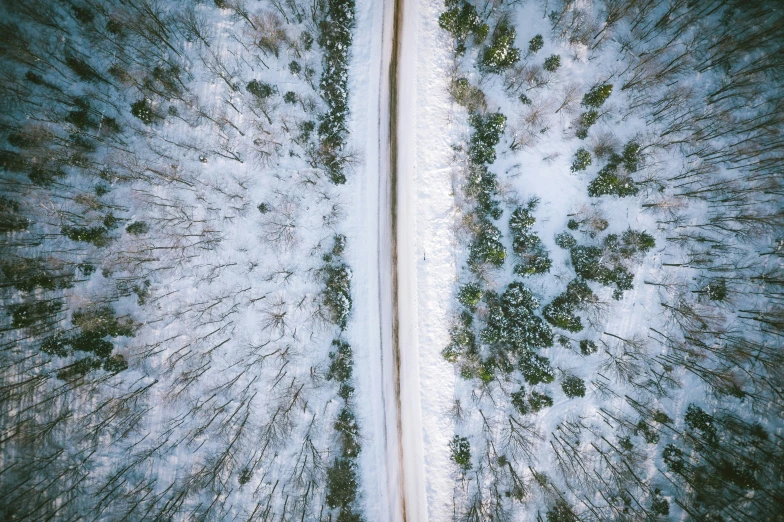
180, 287
618, 343
173, 277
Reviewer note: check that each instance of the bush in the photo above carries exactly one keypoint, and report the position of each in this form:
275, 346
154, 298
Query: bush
259, 89
482, 186
337, 292
610, 183
501, 53
573, 386
486, 247
560, 312
565, 240
582, 159
462, 21
552, 63
487, 134
525, 100
587, 263
295, 67
596, 97
137, 228
469, 295
511, 320
98, 236
460, 450
539, 401
340, 366
341, 483
536, 43
521, 220
519, 402
465, 94
536, 369
143, 110
587, 347
290, 97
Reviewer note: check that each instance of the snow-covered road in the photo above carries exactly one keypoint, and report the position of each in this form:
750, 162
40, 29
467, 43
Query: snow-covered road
402, 205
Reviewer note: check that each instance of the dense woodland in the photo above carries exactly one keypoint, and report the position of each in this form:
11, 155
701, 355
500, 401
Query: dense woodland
172, 263
574, 406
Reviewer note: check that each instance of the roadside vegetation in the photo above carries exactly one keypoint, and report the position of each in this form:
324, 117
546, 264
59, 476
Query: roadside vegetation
172, 261
624, 365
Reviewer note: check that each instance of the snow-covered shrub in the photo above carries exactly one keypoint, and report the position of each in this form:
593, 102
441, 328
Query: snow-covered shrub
552, 63
467, 95
536, 369
337, 292
340, 366
501, 53
536, 44
143, 110
259, 89
573, 386
137, 228
582, 159
460, 452
610, 182
565, 240
486, 248
596, 97
511, 321
539, 401
461, 20
587, 347
469, 295
487, 133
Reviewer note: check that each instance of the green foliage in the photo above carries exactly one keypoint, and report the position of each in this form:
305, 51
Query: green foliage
596, 97
467, 95
137, 228
703, 423
673, 457
11, 219
259, 89
631, 157
340, 366
143, 110
27, 274
552, 63
560, 312
98, 236
519, 401
587, 263
565, 240
521, 220
500, 54
486, 248
295, 67
102, 321
290, 97
539, 401
487, 133
337, 292
79, 369
572, 224
511, 320
609, 182
346, 426
460, 450
461, 20
25, 315
582, 159
573, 386
561, 512
525, 100
716, 290
587, 347
469, 295
341, 483
335, 38
482, 186
536, 369
82, 69
536, 44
